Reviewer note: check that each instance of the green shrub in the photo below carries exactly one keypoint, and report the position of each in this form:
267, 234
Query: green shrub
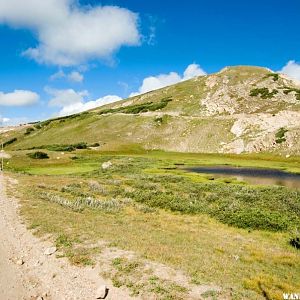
263, 93
138, 108
265, 208
29, 130
9, 142
63, 119
295, 242
274, 75
287, 90
38, 155
81, 145
59, 147
280, 135
94, 145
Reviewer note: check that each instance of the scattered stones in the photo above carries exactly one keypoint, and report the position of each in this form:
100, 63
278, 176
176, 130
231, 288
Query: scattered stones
20, 262
17, 261
101, 292
50, 251
106, 165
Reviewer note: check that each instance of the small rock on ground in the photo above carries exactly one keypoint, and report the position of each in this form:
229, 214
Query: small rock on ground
101, 292
50, 251
106, 165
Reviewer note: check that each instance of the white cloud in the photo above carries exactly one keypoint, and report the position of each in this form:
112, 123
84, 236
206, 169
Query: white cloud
152, 35
193, 70
69, 34
3, 120
62, 98
74, 76
156, 82
83, 106
292, 69
18, 98
72, 102
58, 75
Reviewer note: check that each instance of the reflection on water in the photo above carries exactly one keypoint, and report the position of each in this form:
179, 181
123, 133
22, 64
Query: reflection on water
252, 175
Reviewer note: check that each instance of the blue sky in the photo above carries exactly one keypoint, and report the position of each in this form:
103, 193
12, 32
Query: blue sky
130, 41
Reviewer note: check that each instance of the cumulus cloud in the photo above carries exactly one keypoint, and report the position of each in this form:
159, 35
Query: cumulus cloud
58, 75
292, 69
69, 34
156, 82
18, 98
193, 70
72, 102
62, 98
3, 120
74, 76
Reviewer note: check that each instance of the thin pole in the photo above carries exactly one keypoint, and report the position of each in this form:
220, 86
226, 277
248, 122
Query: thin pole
2, 157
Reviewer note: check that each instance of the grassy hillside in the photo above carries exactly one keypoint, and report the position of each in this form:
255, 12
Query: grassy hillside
240, 109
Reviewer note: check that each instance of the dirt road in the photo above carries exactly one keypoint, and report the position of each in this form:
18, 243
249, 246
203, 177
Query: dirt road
27, 273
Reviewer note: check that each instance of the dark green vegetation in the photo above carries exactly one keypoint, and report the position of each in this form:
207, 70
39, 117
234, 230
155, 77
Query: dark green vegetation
264, 93
295, 242
38, 155
9, 142
275, 76
280, 135
29, 130
43, 124
287, 90
64, 147
267, 208
138, 108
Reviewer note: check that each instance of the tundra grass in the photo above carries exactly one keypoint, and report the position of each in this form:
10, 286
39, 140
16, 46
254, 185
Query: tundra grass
19, 161
231, 235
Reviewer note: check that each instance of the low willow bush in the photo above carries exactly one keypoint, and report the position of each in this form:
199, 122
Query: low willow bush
38, 155
266, 208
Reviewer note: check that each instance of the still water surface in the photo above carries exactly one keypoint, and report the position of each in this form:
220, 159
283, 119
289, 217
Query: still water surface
255, 176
